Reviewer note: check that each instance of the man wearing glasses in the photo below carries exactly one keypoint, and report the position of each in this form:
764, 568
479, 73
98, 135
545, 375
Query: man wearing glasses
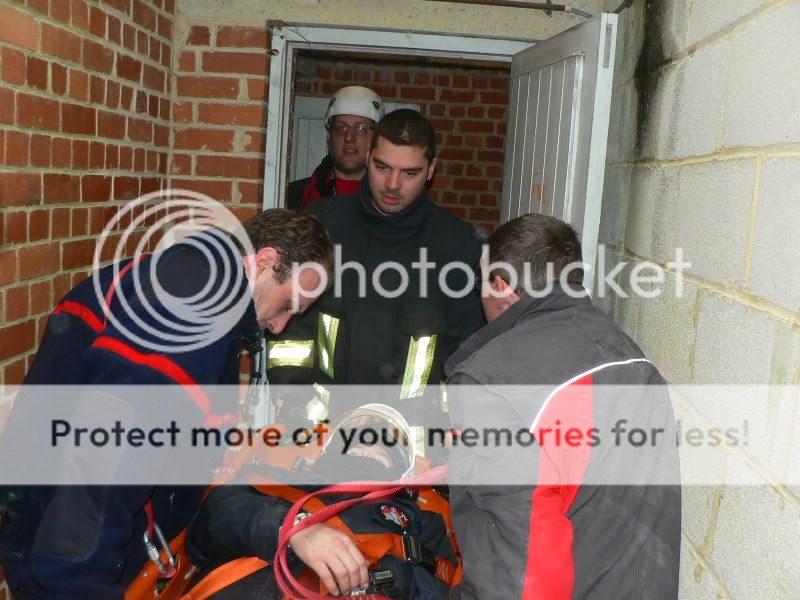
350, 119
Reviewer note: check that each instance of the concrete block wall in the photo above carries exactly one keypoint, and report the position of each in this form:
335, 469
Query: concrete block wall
467, 107
704, 154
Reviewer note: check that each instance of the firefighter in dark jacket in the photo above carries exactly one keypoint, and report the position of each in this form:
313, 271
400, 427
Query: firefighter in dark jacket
375, 326
115, 328
349, 121
596, 519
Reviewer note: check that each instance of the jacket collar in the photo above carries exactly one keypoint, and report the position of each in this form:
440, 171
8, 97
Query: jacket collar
525, 308
392, 228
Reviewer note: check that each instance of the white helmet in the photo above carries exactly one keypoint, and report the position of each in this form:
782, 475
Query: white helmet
355, 100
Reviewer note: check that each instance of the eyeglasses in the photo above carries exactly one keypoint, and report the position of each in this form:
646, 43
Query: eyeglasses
359, 129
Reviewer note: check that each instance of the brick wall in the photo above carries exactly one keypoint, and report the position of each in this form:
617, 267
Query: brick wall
467, 107
84, 125
220, 114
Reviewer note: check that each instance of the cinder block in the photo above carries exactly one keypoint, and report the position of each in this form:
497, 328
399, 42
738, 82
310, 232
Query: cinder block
709, 16
616, 186
697, 114
756, 544
668, 331
776, 247
714, 203
762, 89
630, 36
695, 582
658, 128
671, 24
622, 124
735, 343
651, 212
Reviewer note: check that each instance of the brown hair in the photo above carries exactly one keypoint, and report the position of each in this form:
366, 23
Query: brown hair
535, 240
406, 127
297, 238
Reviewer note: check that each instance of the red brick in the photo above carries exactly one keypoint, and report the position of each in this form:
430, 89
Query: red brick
97, 22
476, 126
39, 113
455, 169
479, 83
58, 79
17, 145
456, 154
164, 27
477, 185
80, 154
257, 89
60, 11
7, 104
235, 62
2, 145
442, 124
422, 78
97, 90
126, 97
96, 188
126, 158
401, 77
78, 85
242, 37
499, 83
485, 214
460, 81
161, 135
38, 260
250, 193
475, 141
494, 141
61, 43
494, 171
13, 374
208, 87
112, 94
140, 130
204, 139
497, 112
455, 140
17, 303
111, 125
15, 227
165, 109
489, 200
114, 29
199, 35
255, 141
169, 6
456, 110
78, 119
36, 73
181, 164
80, 14
126, 188
59, 223
474, 171
141, 102
97, 155
187, 61
13, 66
153, 78
78, 254
129, 37
457, 211
97, 57
80, 221
42, 6
129, 68
139, 157
216, 189
61, 188
142, 43
231, 114
38, 225
18, 28
423, 93
476, 112
20, 189
144, 15
40, 151
17, 339
182, 112
60, 153
112, 157
229, 166
8, 265
449, 95
155, 49
490, 156
494, 98
41, 297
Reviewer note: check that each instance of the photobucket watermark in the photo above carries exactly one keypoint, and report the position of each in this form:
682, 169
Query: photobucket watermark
458, 279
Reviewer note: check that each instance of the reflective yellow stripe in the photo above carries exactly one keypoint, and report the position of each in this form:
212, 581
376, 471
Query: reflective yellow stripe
326, 340
418, 366
318, 407
290, 353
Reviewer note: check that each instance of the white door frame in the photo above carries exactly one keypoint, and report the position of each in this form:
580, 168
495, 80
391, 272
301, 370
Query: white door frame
287, 40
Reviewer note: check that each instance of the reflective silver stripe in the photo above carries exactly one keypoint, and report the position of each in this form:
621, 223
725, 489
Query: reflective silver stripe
318, 407
443, 397
418, 439
418, 366
326, 340
290, 353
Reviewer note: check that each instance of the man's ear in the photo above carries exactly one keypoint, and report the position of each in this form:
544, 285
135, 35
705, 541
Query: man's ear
266, 259
505, 295
432, 169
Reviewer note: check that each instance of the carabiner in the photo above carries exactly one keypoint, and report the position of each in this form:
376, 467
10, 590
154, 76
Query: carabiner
168, 569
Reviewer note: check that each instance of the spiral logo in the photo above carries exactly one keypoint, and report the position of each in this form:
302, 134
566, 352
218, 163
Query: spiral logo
185, 286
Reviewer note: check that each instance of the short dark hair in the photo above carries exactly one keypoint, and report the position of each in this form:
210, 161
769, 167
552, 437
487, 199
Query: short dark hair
406, 127
297, 238
535, 240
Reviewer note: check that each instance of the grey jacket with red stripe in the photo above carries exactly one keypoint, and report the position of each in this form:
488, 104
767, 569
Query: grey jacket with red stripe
564, 532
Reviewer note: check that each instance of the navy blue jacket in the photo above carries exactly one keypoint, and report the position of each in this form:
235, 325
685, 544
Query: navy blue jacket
86, 542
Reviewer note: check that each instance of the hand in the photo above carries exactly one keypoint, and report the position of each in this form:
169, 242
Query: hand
333, 556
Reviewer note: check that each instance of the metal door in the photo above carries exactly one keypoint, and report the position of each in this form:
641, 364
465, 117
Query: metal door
558, 129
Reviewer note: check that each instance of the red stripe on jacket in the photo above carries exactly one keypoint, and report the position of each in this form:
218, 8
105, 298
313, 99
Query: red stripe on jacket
550, 568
